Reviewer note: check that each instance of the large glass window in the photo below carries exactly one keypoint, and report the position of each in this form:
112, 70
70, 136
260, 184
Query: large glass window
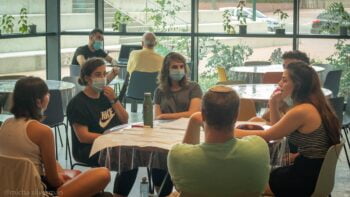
77, 15
233, 52
148, 15
323, 17
226, 16
22, 56
331, 54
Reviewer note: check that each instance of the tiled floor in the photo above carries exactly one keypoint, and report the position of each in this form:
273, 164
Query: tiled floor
341, 188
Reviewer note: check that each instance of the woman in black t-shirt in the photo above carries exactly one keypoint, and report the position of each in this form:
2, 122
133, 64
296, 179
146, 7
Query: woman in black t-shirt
93, 111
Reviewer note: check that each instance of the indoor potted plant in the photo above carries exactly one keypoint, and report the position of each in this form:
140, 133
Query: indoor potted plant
282, 16
120, 21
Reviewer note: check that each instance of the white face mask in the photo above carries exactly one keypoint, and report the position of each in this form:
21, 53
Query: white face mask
98, 84
289, 101
177, 74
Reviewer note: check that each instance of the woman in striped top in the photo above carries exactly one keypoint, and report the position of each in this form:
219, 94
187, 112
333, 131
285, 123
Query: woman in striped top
310, 124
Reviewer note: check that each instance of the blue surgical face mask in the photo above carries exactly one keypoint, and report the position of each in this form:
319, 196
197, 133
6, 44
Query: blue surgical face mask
98, 44
177, 74
98, 84
289, 101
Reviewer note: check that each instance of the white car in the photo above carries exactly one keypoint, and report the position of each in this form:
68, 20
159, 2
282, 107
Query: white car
272, 24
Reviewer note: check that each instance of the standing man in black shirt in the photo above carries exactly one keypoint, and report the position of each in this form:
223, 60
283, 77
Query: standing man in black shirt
93, 49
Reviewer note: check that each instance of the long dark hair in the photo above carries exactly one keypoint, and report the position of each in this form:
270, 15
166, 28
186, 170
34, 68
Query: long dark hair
27, 92
164, 80
307, 89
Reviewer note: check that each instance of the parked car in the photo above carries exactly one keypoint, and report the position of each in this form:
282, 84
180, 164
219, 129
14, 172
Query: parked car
272, 24
322, 21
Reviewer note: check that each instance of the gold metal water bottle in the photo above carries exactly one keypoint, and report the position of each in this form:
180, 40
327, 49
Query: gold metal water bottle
148, 110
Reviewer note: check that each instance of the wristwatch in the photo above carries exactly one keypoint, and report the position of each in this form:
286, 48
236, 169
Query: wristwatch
114, 100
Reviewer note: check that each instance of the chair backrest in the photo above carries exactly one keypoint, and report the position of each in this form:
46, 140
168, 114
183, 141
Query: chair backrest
323, 74
19, 175
347, 108
325, 180
221, 74
74, 79
124, 87
257, 63
247, 110
75, 144
54, 114
141, 82
272, 77
338, 105
332, 81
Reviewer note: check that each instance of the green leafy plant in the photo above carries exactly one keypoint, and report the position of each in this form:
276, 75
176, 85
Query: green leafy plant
23, 21
163, 15
240, 16
226, 56
120, 18
7, 23
282, 16
341, 60
276, 56
228, 28
337, 16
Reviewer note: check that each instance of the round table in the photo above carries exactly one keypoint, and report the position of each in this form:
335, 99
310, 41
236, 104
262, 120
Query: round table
67, 90
253, 74
261, 92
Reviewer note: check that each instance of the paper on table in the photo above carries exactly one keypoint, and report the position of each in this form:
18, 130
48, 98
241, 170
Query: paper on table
140, 137
179, 124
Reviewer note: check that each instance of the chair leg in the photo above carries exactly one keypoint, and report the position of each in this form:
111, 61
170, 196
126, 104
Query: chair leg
346, 130
59, 134
346, 154
68, 148
133, 106
56, 144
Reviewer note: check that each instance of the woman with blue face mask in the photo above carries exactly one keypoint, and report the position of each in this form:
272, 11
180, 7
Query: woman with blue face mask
176, 97
91, 112
95, 109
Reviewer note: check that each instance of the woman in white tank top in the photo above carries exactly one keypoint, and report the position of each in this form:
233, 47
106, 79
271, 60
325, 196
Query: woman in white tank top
25, 136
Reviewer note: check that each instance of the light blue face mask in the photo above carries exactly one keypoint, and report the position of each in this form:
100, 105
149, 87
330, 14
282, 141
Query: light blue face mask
289, 101
98, 44
177, 74
98, 84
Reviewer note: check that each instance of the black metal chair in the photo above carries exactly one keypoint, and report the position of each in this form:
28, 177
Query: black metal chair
54, 118
75, 151
332, 81
139, 83
338, 105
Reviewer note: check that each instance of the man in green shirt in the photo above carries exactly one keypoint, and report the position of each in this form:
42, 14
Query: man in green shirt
223, 165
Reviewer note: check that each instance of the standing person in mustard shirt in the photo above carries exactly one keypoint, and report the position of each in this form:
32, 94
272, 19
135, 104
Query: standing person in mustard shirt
145, 60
